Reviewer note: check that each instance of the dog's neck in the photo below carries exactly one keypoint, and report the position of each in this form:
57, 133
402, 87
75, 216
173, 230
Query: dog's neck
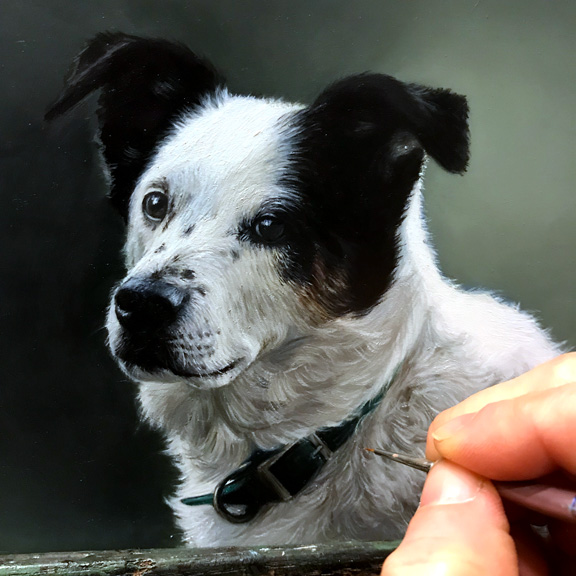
318, 380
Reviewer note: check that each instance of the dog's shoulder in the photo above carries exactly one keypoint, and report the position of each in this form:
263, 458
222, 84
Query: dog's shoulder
486, 328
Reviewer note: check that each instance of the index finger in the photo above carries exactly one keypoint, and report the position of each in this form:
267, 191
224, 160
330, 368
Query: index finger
553, 374
515, 439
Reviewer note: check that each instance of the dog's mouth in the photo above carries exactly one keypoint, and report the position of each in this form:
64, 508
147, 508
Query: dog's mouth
172, 374
151, 362
184, 373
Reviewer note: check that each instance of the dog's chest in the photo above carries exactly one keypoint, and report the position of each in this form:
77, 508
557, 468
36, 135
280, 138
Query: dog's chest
347, 500
356, 495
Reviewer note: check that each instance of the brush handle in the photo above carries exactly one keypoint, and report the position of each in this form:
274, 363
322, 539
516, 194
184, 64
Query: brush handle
548, 500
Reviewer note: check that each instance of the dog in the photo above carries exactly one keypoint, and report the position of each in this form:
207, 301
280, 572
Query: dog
283, 308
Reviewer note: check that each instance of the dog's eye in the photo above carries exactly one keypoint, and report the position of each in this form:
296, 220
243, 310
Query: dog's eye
155, 206
269, 229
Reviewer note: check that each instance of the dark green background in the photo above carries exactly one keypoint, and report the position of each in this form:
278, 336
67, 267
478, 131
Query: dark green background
76, 469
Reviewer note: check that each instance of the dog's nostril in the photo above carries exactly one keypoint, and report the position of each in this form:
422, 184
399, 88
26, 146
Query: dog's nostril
147, 305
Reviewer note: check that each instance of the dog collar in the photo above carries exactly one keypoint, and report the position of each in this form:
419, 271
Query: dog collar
278, 475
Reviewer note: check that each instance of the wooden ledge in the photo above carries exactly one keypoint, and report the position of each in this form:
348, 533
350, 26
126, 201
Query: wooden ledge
337, 559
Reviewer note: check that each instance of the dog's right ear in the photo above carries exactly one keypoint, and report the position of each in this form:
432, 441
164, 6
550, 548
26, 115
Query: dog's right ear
145, 85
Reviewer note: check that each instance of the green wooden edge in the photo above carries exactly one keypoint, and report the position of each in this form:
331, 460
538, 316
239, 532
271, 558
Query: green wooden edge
336, 559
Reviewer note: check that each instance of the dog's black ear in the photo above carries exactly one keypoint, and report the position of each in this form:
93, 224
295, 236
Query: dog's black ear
145, 85
360, 152
378, 108
439, 119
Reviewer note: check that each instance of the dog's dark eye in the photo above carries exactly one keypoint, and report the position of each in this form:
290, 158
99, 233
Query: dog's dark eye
155, 206
269, 229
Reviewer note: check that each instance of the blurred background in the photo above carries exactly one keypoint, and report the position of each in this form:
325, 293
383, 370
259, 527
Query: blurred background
77, 471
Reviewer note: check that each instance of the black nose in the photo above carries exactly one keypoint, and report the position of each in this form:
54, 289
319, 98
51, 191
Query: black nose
145, 305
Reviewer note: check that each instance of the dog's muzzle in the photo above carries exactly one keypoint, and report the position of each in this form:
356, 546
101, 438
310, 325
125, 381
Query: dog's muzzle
148, 311
147, 306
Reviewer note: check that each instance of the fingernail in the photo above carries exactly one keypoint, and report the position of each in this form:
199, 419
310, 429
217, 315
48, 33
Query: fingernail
452, 427
448, 483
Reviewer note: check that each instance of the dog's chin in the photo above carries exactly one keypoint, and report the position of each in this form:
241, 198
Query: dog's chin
207, 378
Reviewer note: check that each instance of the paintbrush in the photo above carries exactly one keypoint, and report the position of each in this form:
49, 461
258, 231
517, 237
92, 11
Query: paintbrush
551, 501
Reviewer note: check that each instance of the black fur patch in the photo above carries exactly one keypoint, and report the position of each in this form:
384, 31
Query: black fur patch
360, 152
146, 84
187, 274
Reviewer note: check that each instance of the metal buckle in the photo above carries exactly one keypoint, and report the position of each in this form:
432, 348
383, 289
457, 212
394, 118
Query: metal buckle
321, 446
235, 513
265, 472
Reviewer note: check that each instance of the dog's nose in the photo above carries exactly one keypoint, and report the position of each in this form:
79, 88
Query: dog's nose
144, 305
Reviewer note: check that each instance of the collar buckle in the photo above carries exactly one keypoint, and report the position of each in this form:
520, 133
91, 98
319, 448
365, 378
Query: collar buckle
268, 476
321, 447
292, 468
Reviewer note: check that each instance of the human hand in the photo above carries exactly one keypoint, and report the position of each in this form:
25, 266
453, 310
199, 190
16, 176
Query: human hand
518, 430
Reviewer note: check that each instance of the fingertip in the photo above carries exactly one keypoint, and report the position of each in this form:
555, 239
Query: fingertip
447, 440
446, 432
452, 428
448, 483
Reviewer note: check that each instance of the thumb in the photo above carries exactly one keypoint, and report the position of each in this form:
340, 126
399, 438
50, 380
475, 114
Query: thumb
460, 529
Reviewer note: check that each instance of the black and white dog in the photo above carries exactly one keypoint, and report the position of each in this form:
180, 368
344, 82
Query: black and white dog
282, 308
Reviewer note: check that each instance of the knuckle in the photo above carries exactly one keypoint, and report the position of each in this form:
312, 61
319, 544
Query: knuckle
564, 369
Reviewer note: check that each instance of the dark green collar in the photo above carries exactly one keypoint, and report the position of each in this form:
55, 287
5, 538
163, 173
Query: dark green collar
278, 475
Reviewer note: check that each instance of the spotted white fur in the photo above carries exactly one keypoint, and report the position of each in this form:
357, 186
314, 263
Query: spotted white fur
296, 376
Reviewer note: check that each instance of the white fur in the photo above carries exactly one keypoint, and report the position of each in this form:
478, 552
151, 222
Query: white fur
295, 373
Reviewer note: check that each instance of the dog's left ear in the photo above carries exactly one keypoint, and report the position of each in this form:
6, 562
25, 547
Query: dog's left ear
361, 150
145, 84
380, 110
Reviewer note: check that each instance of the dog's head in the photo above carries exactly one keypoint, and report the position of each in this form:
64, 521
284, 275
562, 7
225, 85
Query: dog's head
250, 221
